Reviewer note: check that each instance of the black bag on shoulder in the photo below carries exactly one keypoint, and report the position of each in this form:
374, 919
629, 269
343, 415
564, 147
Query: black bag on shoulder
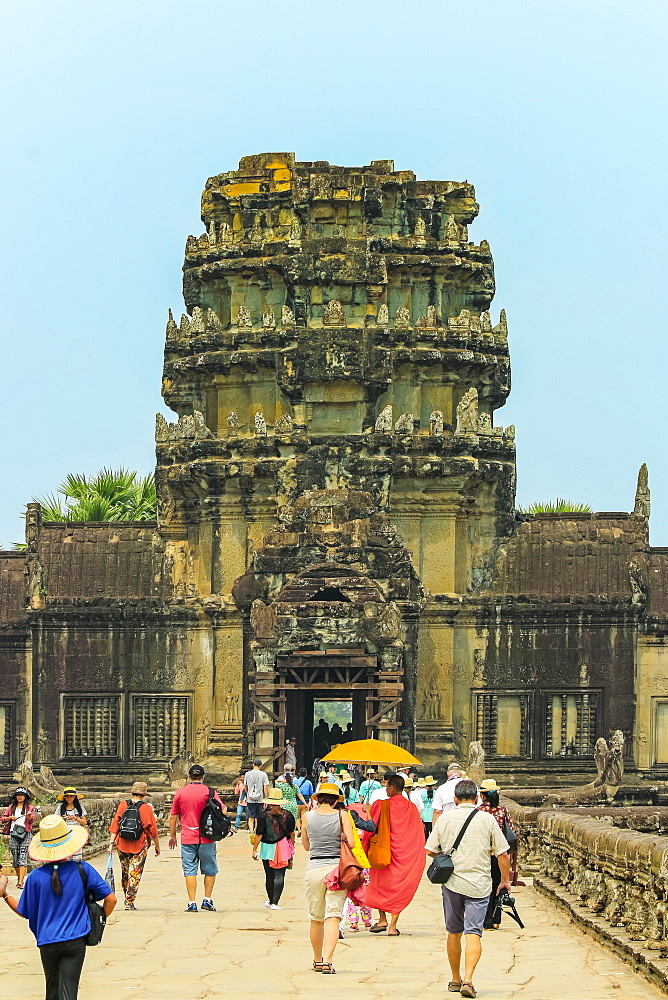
509, 833
214, 824
130, 826
443, 866
98, 918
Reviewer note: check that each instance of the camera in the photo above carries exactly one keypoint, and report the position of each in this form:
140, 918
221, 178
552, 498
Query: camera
504, 901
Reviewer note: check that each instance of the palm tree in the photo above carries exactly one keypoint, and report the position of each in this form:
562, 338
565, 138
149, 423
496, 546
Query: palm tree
111, 495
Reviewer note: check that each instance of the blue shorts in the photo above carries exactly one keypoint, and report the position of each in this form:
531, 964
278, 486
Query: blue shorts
463, 914
253, 809
199, 855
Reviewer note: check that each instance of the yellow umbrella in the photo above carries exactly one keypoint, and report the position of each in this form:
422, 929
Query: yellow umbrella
369, 752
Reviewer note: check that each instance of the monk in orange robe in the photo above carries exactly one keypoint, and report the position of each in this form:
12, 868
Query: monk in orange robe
396, 854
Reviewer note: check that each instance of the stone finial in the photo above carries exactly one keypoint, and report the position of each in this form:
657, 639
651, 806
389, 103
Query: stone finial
161, 429
451, 229
212, 233
191, 245
232, 422
184, 428
484, 423
268, 320
509, 433
184, 325
383, 317
428, 321
461, 322
642, 502
287, 316
212, 321
334, 314
402, 318
484, 246
467, 412
260, 424
384, 420
197, 321
464, 233
420, 227
172, 330
502, 327
284, 424
404, 424
244, 318
201, 430
486, 323
436, 423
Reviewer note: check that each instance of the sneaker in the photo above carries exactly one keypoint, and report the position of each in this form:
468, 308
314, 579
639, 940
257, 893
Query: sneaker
207, 904
275, 906
267, 904
191, 908
130, 906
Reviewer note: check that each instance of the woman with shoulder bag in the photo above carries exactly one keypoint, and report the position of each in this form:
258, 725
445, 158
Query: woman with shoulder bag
274, 835
17, 820
489, 791
55, 906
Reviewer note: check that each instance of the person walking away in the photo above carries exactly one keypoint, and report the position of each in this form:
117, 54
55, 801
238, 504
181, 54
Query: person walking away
256, 781
400, 837
70, 808
489, 791
240, 792
132, 829
293, 797
466, 894
427, 812
54, 903
350, 793
196, 851
17, 822
322, 830
305, 787
274, 836
444, 797
291, 753
369, 785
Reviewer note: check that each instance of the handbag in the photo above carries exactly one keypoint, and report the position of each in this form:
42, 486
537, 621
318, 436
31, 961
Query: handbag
350, 873
443, 866
509, 833
98, 917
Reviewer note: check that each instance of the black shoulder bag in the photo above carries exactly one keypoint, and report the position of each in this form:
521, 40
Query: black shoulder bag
509, 833
443, 866
98, 917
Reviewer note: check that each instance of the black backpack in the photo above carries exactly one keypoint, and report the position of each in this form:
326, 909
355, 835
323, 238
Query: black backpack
214, 824
130, 826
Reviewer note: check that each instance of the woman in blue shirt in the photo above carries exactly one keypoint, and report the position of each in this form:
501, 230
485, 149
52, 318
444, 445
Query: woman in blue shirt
54, 903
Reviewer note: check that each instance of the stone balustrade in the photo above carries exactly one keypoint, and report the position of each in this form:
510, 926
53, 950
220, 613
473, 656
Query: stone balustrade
595, 867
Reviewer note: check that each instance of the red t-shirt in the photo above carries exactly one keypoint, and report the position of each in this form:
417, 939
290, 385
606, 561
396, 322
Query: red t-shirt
188, 804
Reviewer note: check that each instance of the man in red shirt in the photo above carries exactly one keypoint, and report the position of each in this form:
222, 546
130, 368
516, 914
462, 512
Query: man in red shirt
196, 851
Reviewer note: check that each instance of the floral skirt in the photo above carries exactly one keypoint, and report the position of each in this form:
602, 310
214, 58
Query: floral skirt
19, 848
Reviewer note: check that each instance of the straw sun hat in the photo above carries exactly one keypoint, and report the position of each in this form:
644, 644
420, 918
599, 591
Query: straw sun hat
430, 780
70, 790
489, 785
55, 840
328, 788
275, 798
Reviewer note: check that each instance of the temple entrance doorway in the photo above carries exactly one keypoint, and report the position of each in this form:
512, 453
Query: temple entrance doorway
306, 708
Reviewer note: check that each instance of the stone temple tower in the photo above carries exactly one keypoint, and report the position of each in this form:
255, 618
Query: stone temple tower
336, 483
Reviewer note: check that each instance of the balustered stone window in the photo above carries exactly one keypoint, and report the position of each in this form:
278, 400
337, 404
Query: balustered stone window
571, 722
6, 734
159, 725
91, 726
503, 722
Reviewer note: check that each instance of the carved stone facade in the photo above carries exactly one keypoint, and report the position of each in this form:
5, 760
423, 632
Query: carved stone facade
336, 517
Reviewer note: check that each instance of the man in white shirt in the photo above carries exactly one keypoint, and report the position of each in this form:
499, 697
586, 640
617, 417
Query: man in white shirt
416, 795
444, 796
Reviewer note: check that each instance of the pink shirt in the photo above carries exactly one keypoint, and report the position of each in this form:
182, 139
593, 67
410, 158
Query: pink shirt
188, 804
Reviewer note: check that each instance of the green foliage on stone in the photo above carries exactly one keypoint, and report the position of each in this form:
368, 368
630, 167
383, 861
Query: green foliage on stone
558, 506
111, 495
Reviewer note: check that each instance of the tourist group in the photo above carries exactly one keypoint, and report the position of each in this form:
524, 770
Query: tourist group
366, 836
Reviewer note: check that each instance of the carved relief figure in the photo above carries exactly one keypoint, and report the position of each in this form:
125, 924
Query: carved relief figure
232, 422
287, 316
244, 318
402, 318
260, 424
484, 423
475, 767
231, 710
202, 736
420, 227
428, 321
404, 424
383, 317
268, 320
384, 420
201, 430
284, 424
178, 767
467, 412
610, 763
436, 423
43, 744
451, 229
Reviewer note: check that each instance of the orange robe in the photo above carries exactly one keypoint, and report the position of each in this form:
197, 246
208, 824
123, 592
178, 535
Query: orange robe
392, 888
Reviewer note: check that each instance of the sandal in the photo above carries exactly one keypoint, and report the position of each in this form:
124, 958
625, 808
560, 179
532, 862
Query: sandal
454, 987
328, 969
378, 928
467, 990
396, 934
19, 885
317, 966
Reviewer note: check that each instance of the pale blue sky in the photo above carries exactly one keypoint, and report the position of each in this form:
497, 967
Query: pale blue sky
113, 116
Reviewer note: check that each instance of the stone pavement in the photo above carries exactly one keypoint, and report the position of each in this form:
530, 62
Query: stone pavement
246, 950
